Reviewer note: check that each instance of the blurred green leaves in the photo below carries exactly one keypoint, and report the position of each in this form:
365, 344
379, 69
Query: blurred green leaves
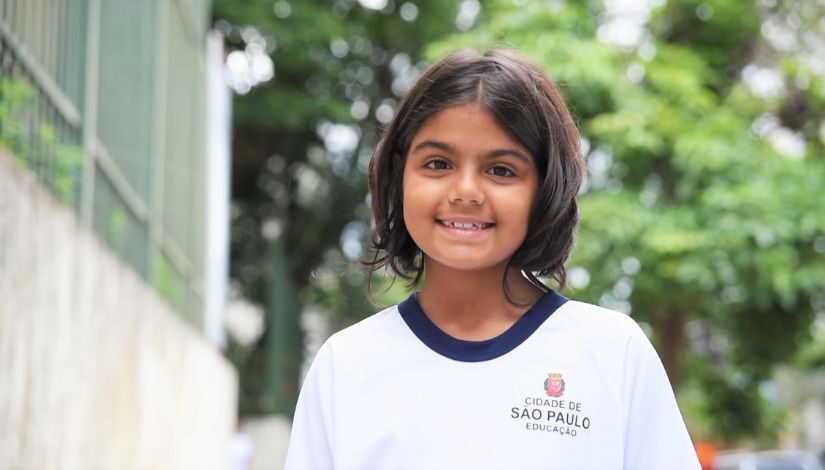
706, 153
340, 69
693, 209
36, 144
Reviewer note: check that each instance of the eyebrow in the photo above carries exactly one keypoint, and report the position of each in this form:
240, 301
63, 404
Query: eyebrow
446, 147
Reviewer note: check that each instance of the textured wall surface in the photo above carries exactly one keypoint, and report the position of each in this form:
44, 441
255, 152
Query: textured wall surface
96, 371
270, 437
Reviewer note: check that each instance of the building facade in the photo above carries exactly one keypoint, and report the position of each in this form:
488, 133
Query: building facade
113, 222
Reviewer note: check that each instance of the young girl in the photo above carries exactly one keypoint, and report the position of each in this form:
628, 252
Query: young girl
473, 191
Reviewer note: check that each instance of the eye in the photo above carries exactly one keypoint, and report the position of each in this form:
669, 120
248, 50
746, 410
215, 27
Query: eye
501, 171
437, 164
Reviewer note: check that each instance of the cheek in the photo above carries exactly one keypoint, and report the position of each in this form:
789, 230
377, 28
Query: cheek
516, 210
416, 203
412, 203
516, 205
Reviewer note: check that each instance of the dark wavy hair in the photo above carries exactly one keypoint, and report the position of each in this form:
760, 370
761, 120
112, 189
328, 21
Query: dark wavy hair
531, 108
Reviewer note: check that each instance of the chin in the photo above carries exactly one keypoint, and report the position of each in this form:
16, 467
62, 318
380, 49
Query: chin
468, 264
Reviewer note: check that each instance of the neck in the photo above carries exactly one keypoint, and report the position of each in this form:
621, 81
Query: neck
472, 304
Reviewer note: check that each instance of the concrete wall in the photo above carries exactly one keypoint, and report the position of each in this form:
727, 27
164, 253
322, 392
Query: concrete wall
96, 371
270, 437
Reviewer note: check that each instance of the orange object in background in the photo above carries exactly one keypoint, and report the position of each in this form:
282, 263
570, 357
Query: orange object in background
706, 451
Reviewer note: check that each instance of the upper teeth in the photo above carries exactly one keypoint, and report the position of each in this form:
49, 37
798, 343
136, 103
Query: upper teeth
462, 225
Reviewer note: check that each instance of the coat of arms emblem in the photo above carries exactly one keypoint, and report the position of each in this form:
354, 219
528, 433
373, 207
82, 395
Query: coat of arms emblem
554, 385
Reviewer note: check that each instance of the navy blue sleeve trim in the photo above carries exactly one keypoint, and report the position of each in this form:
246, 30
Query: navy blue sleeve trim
477, 351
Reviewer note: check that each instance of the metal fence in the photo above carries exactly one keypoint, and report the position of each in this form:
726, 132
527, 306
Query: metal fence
105, 101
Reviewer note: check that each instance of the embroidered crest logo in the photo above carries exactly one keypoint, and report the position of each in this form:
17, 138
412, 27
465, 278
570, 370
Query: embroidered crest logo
554, 385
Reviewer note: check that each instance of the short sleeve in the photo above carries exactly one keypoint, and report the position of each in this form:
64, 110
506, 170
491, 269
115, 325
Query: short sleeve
310, 440
655, 436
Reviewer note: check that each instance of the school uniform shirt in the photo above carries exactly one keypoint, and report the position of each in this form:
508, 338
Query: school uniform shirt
568, 386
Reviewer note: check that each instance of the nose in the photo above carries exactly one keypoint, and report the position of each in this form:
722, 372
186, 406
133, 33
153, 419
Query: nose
466, 188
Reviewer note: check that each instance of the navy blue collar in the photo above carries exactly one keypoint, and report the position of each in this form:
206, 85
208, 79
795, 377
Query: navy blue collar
476, 351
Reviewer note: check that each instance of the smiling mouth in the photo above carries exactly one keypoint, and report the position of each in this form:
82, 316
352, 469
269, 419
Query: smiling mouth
465, 225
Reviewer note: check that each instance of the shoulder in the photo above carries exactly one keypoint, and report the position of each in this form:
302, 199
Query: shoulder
598, 321
375, 324
371, 333
607, 333
367, 348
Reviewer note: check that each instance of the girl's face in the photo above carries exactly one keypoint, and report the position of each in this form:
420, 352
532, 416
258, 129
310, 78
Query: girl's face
468, 189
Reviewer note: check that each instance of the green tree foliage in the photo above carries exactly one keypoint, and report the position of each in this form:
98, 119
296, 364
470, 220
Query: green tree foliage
701, 213
298, 192
714, 236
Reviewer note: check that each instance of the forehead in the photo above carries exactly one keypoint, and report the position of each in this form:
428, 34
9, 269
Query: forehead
469, 128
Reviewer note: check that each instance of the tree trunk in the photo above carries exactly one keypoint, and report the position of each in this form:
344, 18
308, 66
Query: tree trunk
669, 339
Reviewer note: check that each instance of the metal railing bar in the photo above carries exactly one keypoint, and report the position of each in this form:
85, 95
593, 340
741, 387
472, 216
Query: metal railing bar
57, 32
168, 245
176, 255
37, 40
197, 286
92, 72
43, 81
61, 19
188, 15
159, 110
119, 181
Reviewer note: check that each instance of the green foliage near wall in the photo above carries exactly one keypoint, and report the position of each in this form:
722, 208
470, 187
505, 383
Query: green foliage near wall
16, 101
168, 283
36, 144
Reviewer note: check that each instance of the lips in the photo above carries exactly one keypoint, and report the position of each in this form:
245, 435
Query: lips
465, 225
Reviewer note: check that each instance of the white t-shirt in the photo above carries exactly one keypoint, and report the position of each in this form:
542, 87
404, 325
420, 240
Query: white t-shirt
568, 386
